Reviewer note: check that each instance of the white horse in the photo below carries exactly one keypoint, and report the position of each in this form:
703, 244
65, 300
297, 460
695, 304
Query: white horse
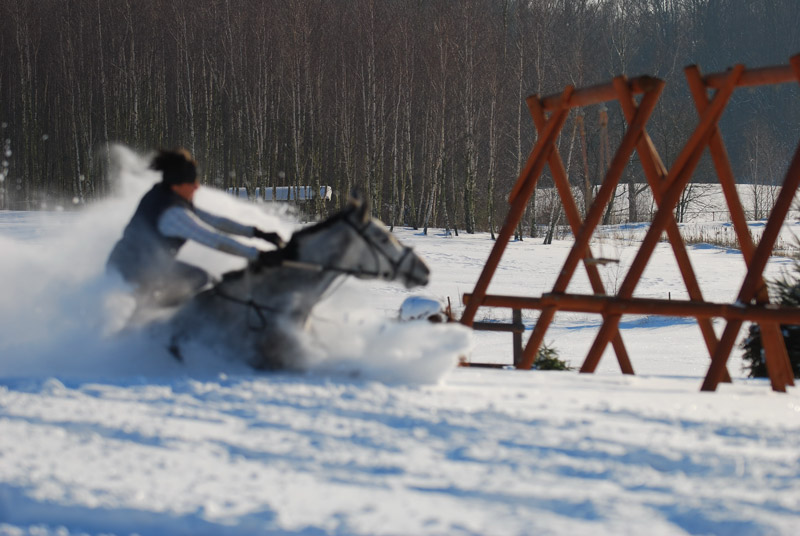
257, 312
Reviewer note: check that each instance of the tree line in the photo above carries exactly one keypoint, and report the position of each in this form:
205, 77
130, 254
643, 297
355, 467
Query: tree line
418, 102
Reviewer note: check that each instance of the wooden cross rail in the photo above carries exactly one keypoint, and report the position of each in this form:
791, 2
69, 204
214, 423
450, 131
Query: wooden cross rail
592, 303
666, 186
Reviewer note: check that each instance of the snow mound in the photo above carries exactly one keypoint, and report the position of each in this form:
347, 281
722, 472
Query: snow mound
393, 352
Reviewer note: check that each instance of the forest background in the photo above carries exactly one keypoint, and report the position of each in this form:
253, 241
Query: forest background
420, 103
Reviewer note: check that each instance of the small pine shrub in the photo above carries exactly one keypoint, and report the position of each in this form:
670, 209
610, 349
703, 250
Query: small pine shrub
547, 359
787, 292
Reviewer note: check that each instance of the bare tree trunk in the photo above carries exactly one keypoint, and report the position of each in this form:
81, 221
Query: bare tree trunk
394, 209
23, 191
587, 180
518, 131
439, 171
470, 118
408, 168
555, 207
492, 172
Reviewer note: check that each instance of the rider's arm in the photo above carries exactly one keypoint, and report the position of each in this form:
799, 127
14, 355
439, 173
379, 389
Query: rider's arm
181, 223
224, 224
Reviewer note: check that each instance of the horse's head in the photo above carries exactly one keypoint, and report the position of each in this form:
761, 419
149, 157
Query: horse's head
379, 251
354, 243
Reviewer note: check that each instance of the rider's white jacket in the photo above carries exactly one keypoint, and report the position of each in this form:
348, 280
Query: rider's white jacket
200, 226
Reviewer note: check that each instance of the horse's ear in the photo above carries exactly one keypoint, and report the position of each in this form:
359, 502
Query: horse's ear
360, 203
356, 198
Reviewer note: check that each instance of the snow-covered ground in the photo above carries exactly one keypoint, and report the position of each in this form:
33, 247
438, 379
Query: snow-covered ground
106, 434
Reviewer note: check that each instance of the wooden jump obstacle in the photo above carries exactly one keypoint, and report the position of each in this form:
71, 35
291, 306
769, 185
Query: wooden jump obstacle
549, 115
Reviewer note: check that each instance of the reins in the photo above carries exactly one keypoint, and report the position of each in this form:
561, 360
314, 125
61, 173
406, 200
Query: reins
374, 249
250, 303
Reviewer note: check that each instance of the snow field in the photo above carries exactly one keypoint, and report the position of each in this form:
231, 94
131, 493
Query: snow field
489, 452
103, 433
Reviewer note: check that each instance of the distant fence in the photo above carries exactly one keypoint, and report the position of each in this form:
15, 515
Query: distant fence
283, 193
704, 203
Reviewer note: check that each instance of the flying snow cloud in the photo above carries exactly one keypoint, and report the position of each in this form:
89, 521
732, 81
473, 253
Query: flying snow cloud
60, 312
62, 315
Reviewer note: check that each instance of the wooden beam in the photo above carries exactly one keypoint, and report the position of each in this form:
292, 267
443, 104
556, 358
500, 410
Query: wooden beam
779, 74
589, 303
599, 93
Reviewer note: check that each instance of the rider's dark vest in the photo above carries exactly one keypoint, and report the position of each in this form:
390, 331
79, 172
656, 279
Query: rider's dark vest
143, 252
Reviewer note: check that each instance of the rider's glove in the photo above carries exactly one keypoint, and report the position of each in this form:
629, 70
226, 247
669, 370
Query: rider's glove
272, 238
268, 258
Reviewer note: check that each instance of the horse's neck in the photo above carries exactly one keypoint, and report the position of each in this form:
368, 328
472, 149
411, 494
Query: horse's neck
323, 249
296, 288
299, 284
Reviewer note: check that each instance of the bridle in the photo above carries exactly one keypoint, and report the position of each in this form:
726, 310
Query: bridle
374, 248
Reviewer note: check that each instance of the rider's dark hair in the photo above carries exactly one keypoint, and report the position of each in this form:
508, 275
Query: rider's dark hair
177, 166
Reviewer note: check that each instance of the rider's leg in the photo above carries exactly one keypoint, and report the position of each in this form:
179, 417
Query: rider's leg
176, 284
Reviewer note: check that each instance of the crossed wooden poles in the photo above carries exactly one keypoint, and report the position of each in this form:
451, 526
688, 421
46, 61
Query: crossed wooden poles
752, 302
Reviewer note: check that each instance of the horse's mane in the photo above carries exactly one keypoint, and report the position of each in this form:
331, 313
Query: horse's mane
276, 256
317, 227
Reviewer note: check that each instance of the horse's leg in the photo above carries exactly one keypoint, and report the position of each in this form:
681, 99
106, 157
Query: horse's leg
175, 349
277, 348
178, 330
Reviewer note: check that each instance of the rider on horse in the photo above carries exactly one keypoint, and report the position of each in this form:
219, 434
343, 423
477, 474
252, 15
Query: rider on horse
164, 220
